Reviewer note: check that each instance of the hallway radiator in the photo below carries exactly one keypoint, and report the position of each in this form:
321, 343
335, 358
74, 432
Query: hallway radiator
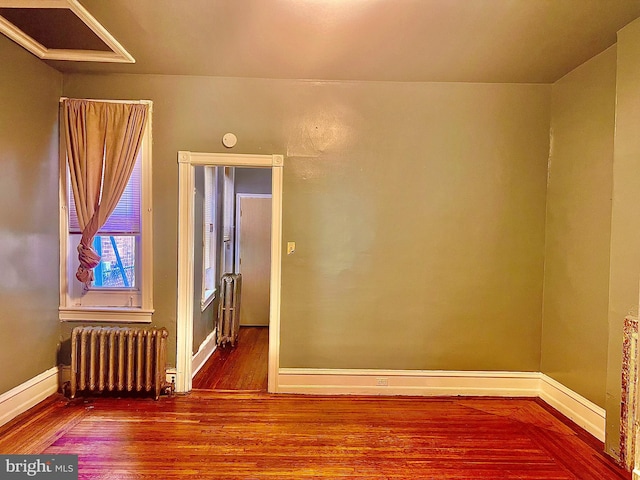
229, 309
106, 359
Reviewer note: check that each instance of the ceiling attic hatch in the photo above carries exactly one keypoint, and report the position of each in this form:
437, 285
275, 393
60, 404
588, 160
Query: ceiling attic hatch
59, 30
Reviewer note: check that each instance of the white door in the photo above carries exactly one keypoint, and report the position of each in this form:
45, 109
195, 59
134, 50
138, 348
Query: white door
253, 260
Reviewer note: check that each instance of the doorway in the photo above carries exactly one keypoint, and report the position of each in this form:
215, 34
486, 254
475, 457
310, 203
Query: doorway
247, 240
187, 162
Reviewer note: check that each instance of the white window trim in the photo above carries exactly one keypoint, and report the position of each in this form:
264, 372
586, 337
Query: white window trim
209, 295
228, 232
143, 313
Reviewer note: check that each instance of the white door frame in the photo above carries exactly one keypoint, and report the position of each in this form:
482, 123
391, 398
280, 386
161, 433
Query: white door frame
187, 161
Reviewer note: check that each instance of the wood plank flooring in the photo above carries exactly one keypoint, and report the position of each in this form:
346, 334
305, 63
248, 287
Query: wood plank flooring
230, 428
243, 367
217, 435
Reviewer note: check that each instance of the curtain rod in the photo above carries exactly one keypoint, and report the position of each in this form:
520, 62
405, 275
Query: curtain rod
62, 99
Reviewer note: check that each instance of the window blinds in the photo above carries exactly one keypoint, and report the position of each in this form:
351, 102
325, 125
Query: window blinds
125, 219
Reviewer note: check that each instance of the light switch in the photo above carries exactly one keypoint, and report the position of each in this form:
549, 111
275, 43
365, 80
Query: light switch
291, 247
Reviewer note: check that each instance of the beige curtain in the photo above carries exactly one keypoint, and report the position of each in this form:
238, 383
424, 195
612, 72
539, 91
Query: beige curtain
103, 140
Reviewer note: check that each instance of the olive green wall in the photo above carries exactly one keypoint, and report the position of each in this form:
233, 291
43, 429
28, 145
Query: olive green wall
625, 221
578, 228
29, 246
418, 210
418, 216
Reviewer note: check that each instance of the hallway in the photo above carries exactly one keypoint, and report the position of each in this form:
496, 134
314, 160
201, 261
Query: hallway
243, 367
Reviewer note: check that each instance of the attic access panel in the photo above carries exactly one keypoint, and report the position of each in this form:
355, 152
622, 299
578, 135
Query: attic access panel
59, 30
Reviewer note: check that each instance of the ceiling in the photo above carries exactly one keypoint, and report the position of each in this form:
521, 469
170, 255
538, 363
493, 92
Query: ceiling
532, 41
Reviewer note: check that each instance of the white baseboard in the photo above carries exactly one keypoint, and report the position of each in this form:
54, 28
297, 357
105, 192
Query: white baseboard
24, 396
574, 406
636, 474
407, 382
370, 382
447, 383
206, 349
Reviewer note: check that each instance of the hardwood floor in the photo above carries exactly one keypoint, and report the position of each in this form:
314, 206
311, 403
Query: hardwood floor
230, 428
209, 435
243, 367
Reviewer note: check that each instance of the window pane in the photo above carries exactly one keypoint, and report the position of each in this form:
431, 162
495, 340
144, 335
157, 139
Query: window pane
117, 268
126, 216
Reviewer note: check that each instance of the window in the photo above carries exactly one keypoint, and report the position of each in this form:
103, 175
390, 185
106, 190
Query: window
118, 241
209, 236
122, 285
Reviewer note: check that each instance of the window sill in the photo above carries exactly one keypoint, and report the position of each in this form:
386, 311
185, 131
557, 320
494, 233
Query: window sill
208, 298
105, 314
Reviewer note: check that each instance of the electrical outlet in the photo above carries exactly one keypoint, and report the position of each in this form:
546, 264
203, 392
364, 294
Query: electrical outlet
382, 382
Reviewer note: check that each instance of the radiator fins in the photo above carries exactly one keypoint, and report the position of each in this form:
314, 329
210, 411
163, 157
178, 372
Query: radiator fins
110, 359
229, 309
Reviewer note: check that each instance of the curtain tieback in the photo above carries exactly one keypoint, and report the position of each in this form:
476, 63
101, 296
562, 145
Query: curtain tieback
89, 259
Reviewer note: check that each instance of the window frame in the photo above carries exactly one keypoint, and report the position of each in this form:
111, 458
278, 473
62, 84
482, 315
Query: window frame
96, 296
68, 312
211, 175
